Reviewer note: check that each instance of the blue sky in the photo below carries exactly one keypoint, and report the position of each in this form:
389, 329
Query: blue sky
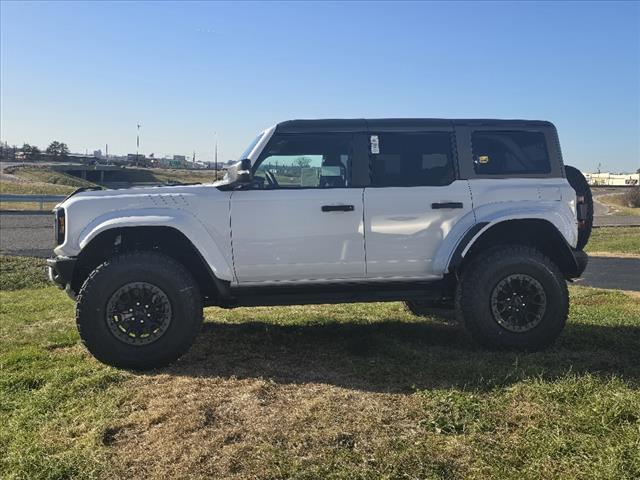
87, 73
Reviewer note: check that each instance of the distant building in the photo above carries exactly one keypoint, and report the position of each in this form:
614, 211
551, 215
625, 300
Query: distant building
613, 179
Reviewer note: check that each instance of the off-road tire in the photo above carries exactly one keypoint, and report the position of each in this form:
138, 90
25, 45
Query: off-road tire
153, 268
482, 275
583, 190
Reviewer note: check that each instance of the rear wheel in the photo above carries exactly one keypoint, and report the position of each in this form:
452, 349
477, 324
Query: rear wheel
513, 297
584, 204
139, 310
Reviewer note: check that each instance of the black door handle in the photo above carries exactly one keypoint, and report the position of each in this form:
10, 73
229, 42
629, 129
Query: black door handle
337, 208
436, 206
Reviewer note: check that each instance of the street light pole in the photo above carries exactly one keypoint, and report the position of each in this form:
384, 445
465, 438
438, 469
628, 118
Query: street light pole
137, 144
215, 156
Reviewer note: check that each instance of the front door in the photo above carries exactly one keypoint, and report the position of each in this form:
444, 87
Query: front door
303, 218
413, 203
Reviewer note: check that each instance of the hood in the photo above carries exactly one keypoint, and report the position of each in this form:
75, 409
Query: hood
88, 208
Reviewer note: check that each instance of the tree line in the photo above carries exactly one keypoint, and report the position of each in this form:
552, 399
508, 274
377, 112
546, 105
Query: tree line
55, 149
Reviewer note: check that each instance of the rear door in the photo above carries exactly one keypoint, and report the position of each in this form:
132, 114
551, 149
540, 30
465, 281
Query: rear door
413, 203
303, 221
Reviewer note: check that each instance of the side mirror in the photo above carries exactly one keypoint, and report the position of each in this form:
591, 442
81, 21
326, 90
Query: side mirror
244, 175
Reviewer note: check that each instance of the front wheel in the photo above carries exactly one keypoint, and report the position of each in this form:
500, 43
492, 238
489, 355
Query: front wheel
513, 297
139, 310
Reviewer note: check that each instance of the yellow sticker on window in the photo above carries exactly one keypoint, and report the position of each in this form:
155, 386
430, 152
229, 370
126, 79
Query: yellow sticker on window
483, 159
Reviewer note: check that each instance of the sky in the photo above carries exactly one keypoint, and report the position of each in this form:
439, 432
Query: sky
88, 73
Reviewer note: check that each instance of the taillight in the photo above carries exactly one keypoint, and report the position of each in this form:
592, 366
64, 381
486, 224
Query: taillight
61, 226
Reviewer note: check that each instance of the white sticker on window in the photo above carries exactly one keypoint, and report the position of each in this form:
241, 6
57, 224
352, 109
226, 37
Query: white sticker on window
375, 144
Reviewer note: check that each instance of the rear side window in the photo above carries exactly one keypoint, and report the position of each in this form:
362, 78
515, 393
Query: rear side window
509, 153
411, 159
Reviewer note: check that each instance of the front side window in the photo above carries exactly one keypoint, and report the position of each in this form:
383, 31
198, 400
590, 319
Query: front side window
509, 153
412, 159
306, 161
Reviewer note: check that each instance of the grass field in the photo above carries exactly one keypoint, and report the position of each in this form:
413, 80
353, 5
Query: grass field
624, 240
34, 188
618, 204
345, 391
45, 175
44, 181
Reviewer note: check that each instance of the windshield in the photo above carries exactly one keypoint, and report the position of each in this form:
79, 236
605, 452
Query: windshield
251, 146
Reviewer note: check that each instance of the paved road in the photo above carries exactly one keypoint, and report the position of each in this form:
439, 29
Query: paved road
608, 272
32, 235
26, 234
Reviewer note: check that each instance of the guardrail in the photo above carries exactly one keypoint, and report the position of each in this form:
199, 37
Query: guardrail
39, 199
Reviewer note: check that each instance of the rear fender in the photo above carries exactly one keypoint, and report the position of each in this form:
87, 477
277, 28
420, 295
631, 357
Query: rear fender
464, 235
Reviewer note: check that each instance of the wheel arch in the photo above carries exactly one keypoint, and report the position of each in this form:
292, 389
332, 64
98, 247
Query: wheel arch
169, 240
535, 232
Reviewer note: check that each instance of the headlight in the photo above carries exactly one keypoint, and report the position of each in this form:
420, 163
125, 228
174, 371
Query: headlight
60, 226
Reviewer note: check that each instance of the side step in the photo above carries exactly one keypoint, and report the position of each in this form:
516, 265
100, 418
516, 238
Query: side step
334, 293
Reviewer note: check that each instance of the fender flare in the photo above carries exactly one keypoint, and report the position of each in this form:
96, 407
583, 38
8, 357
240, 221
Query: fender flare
184, 222
451, 258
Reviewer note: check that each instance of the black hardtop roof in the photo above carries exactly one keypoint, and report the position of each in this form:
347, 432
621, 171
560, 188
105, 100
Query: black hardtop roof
362, 124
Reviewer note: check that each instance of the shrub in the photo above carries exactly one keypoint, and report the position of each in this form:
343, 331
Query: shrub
632, 197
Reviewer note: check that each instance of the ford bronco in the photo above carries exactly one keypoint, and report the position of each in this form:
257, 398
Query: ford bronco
476, 217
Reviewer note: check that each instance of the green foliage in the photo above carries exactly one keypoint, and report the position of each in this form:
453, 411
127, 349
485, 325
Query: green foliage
31, 151
58, 149
632, 197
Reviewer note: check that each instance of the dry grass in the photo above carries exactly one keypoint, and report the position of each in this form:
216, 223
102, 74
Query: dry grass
367, 391
27, 206
34, 188
47, 175
619, 203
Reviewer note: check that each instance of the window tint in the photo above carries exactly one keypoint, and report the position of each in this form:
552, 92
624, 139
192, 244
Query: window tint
412, 159
505, 153
306, 161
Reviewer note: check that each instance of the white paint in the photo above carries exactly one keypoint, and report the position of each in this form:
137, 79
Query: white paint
283, 235
404, 232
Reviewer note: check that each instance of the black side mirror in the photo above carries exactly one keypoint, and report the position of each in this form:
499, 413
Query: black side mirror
244, 171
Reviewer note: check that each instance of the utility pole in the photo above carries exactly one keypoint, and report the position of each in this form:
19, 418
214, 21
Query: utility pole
215, 156
137, 145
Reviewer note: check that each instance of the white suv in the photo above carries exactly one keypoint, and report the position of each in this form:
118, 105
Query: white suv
477, 216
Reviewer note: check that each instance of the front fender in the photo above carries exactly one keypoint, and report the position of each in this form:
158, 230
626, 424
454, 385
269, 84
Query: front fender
181, 220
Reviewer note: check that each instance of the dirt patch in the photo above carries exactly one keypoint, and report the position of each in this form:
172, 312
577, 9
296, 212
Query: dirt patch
222, 428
